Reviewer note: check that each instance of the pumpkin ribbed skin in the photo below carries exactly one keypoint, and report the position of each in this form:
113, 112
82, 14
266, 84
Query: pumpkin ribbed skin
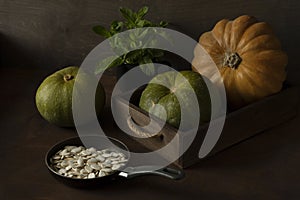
156, 93
248, 56
54, 96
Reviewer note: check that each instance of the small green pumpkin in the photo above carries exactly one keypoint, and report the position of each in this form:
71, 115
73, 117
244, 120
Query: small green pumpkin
54, 96
156, 93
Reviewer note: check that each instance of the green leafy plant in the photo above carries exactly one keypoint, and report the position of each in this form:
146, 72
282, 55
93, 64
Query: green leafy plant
137, 39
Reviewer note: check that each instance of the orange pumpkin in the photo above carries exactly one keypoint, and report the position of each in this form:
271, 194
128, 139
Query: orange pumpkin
248, 56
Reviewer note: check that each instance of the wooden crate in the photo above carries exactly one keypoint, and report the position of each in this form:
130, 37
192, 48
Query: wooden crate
239, 125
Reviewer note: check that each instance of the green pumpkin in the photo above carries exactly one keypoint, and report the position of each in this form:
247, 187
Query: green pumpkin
157, 94
54, 96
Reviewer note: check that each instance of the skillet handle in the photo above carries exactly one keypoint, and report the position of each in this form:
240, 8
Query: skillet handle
131, 172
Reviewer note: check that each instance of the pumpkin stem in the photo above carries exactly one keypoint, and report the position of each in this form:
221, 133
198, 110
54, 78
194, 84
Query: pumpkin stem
232, 60
68, 77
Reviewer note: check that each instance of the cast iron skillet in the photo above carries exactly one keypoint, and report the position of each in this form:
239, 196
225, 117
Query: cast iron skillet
130, 172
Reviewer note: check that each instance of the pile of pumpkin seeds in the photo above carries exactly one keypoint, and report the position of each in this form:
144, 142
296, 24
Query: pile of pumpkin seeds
83, 163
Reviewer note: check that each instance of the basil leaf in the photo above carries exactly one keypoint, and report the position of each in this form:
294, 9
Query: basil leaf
142, 12
111, 61
155, 53
141, 23
116, 26
128, 15
101, 31
163, 24
133, 56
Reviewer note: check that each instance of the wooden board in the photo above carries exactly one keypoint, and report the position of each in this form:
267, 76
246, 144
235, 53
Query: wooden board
239, 125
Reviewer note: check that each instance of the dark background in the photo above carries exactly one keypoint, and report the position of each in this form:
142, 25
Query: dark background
48, 34
37, 37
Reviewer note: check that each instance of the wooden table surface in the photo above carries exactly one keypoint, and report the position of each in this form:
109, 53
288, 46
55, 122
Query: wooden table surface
263, 167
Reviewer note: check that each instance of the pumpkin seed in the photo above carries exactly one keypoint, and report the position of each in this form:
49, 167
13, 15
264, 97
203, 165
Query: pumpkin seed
115, 167
113, 154
91, 175
95, 166
62, 171
101, 173
76, 150
68, 167
88, 169
94, 155
86, 153
107, 161
123, 160
69, 148
64, 163
56, 157
92, 150
80, 162
114, 162
83, 171
92, 160
100, 158
106, 170
106, 155
64, 152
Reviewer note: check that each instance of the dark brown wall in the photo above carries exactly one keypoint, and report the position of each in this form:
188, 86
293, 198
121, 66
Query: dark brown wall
49, 34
